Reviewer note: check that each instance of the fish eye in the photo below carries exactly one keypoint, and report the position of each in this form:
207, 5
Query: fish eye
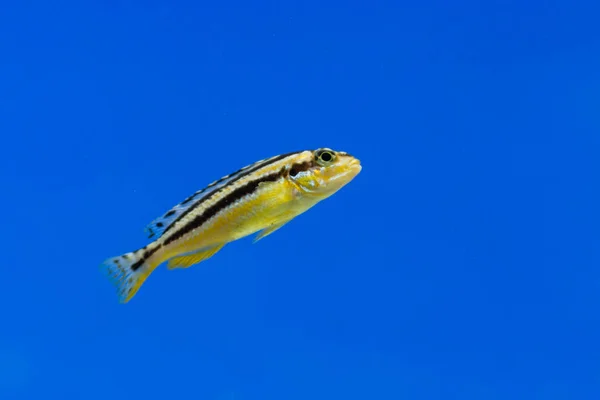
325, 156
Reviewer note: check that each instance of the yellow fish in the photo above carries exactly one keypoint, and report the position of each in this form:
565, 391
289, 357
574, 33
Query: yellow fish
261, 197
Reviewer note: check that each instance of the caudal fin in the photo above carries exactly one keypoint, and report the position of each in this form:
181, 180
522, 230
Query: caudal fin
128, 272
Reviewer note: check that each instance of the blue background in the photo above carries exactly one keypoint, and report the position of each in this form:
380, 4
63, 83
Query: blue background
464, 262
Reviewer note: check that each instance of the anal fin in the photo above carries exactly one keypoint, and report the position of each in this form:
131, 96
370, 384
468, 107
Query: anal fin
267, 231
188, 260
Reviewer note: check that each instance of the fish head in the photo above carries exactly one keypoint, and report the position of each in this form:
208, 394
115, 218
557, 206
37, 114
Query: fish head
323, 172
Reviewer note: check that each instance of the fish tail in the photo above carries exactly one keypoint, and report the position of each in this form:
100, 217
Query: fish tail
128, 272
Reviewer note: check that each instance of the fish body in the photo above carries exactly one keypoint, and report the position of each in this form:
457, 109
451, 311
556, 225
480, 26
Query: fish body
261, 197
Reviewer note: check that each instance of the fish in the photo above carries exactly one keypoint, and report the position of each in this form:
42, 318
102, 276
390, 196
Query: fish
259, 198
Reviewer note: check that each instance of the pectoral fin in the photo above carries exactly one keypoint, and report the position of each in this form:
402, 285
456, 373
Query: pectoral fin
269, 230
193, 258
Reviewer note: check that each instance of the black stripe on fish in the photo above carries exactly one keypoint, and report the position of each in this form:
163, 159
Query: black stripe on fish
237, 194
163, 224
147, 254
301, 167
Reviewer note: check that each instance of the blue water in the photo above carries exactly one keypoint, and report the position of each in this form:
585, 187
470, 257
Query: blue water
462, 263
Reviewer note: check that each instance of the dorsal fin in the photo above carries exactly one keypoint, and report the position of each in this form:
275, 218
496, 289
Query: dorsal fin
158, 226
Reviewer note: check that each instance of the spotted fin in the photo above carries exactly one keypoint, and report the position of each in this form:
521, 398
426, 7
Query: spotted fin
127, 273
158, 226
193, 258
267, 231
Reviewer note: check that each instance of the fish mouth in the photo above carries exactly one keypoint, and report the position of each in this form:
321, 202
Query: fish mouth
355, 165
351, 169
353, 162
